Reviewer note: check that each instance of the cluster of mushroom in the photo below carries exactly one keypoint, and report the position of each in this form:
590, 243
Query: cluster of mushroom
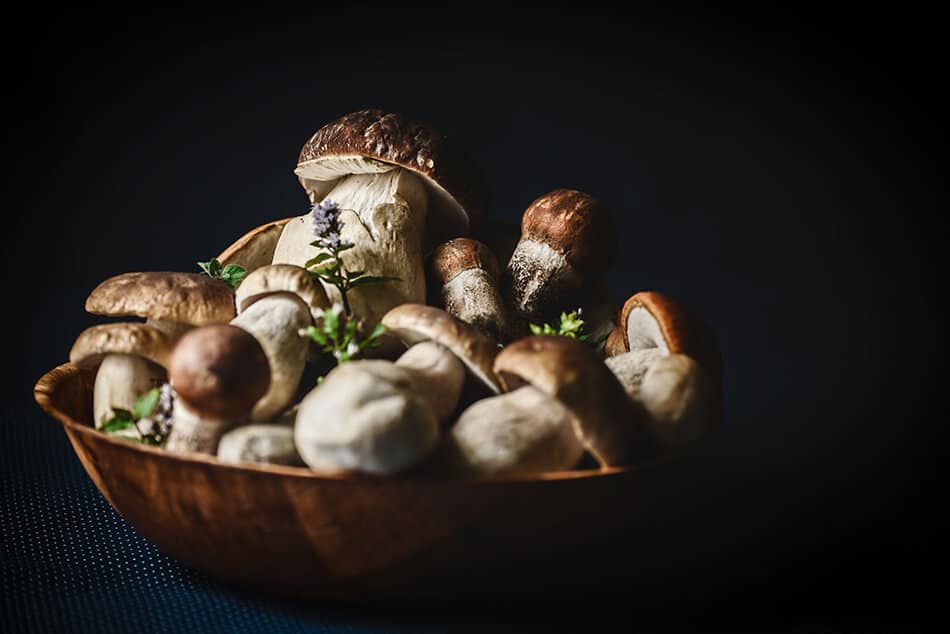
460, 385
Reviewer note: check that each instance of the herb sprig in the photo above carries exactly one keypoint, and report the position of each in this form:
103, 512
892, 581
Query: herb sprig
338, 335
328, 265
569, 325
232, 274
123, 420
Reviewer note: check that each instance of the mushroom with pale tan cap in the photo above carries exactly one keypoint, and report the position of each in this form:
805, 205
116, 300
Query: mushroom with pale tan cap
255, 248
467, 274
273, 278
401, 188
668, 361
218, 373
382, 417
519, 432
567, 240
168, 300
129, 359
606, 422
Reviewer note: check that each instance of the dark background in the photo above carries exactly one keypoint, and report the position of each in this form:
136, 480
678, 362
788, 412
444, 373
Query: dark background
778, 172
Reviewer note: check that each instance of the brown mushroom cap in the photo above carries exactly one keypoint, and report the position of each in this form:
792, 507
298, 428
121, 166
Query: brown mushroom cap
682, 331
275, 278
459, 192
94, 343
414, 323
576, 225
616, 343
461, 254
188, 298
220, 371
255, 248
605, 420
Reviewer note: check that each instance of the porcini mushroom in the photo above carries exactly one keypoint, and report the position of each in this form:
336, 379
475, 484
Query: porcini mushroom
567, 240
605, 421
276, 319
667, 360
131, 359
169, 301
383, 417
467, 274
654, 320
400, 186
519, 432
218, 373
268, 443
255, 248
273, 278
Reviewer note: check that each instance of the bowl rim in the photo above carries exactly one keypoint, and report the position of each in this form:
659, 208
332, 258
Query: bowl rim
47, 384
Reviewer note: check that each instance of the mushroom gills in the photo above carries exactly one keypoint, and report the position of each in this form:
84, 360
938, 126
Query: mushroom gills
519, 432
644, 331
120, 381
384, 216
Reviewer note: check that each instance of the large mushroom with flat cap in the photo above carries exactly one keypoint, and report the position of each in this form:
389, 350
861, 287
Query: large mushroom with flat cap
606, 422
129, 359
401, 186
467, 274
668, 362
382, 417
218, 373
567, 241
169, 301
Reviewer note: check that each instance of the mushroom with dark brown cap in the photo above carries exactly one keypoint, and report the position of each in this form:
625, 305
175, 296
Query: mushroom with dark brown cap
401, 187
467, 274
169, 301
129, 359
607, 423
519, 432
218, 373
382, 417
567, 240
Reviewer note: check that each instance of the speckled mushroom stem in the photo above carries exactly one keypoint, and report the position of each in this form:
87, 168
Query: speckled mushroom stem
190, 432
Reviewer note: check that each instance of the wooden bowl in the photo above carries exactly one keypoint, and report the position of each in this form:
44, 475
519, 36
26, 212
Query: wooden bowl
288, 530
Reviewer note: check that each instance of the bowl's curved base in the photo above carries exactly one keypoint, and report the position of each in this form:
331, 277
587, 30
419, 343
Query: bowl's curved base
287, 531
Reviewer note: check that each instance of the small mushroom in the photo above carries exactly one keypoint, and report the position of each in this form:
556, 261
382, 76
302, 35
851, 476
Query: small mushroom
606, 422
131, 360
654, 320
466, 272
381, 417
567, 241
668, 362
520, 432
268, 443
218, 373
170, 301
276, 320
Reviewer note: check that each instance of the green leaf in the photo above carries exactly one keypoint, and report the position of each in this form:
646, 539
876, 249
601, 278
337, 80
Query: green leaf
145, 405
317, 335
317, 259
372, 279
536, 329
233, 274
344, 247
352, 275
121, 419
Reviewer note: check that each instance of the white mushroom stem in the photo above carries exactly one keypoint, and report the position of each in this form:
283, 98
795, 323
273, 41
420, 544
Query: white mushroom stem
676, 393
384, 216
523, 431
191, 432
173, 328
473, 296
120, 381
272, 443
541, 279
438, 375
368, 416
275, 321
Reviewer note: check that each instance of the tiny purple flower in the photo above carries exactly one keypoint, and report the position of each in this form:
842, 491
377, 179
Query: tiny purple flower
326, 218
